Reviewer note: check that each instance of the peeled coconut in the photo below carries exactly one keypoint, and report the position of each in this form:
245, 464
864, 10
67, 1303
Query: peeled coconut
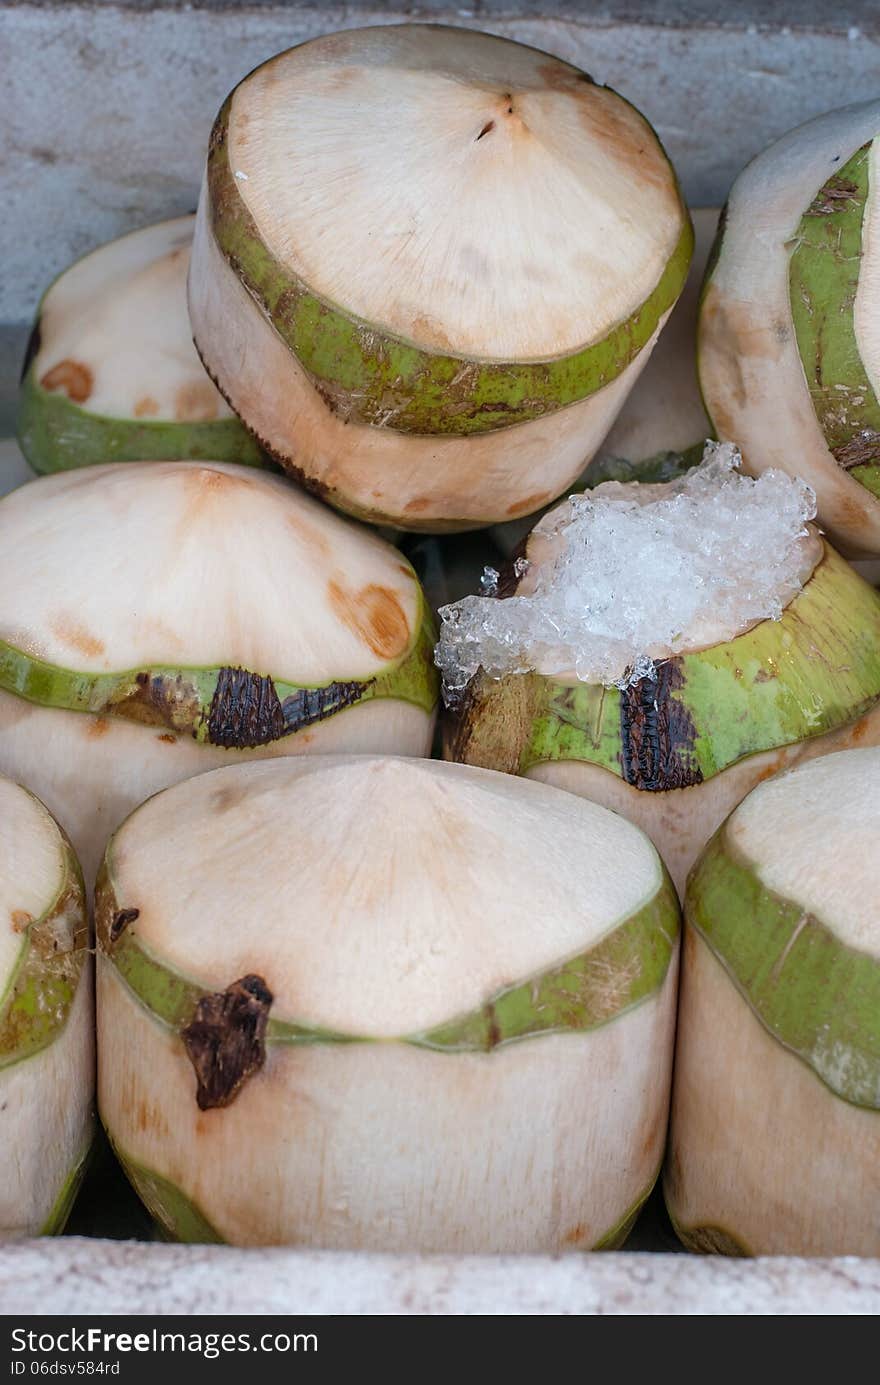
429, 265
661, 649
775, 1141
47, 1047
164, 619
442, 1020
663, 425
111, 373
789, 345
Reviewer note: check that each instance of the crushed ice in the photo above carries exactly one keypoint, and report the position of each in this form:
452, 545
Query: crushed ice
630, 580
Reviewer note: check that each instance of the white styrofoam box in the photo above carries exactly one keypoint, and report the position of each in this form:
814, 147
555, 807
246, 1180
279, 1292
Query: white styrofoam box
105, 111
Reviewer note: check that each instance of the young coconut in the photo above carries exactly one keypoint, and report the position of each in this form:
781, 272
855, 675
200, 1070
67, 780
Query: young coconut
47, 1048
111, 373
429, 265
789, 343
663, 648
164, 619
442, 1021
775, 1141
663, 424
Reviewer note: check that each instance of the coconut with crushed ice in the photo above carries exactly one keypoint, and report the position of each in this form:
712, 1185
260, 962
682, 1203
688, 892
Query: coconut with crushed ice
662, 648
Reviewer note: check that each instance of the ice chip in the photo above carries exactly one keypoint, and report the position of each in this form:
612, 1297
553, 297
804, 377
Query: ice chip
634, 574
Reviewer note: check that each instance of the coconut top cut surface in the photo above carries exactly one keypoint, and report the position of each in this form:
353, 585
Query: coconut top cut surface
466, 193
375, 896
812, 836
32, 867
188, 564
114, 333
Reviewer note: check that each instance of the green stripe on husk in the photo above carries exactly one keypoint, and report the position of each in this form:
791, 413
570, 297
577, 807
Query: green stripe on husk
869, 477
376, 378
41, 988
823, 280
782, 682
63, 1204
178, 1217
709, 1240
55, 434
624, 968
618, 1234
181, 698
654, 470
817, 996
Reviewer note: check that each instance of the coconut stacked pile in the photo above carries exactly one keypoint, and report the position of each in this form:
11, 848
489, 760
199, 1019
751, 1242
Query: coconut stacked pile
348, 996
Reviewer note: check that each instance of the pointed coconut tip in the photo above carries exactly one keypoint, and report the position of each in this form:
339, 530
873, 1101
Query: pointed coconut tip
225, 566
811, 836
497, 203
375, 896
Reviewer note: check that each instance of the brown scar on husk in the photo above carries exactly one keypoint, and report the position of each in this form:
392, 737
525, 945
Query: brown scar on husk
862, 450
833, 196
246, 710
491, 739
120, 921
74, 378
657, 733
21, 920
226, 1040
160, 699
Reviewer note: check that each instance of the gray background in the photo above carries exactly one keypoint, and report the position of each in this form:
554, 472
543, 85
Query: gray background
105, 108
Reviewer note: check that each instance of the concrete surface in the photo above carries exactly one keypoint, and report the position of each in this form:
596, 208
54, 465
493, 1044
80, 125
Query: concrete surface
105, 109
103, 1277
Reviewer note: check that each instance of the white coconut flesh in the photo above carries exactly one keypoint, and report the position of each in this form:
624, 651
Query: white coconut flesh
763, 1145
115, 334
498, 206
751, 372
46, 1097
185, 565
410, 894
